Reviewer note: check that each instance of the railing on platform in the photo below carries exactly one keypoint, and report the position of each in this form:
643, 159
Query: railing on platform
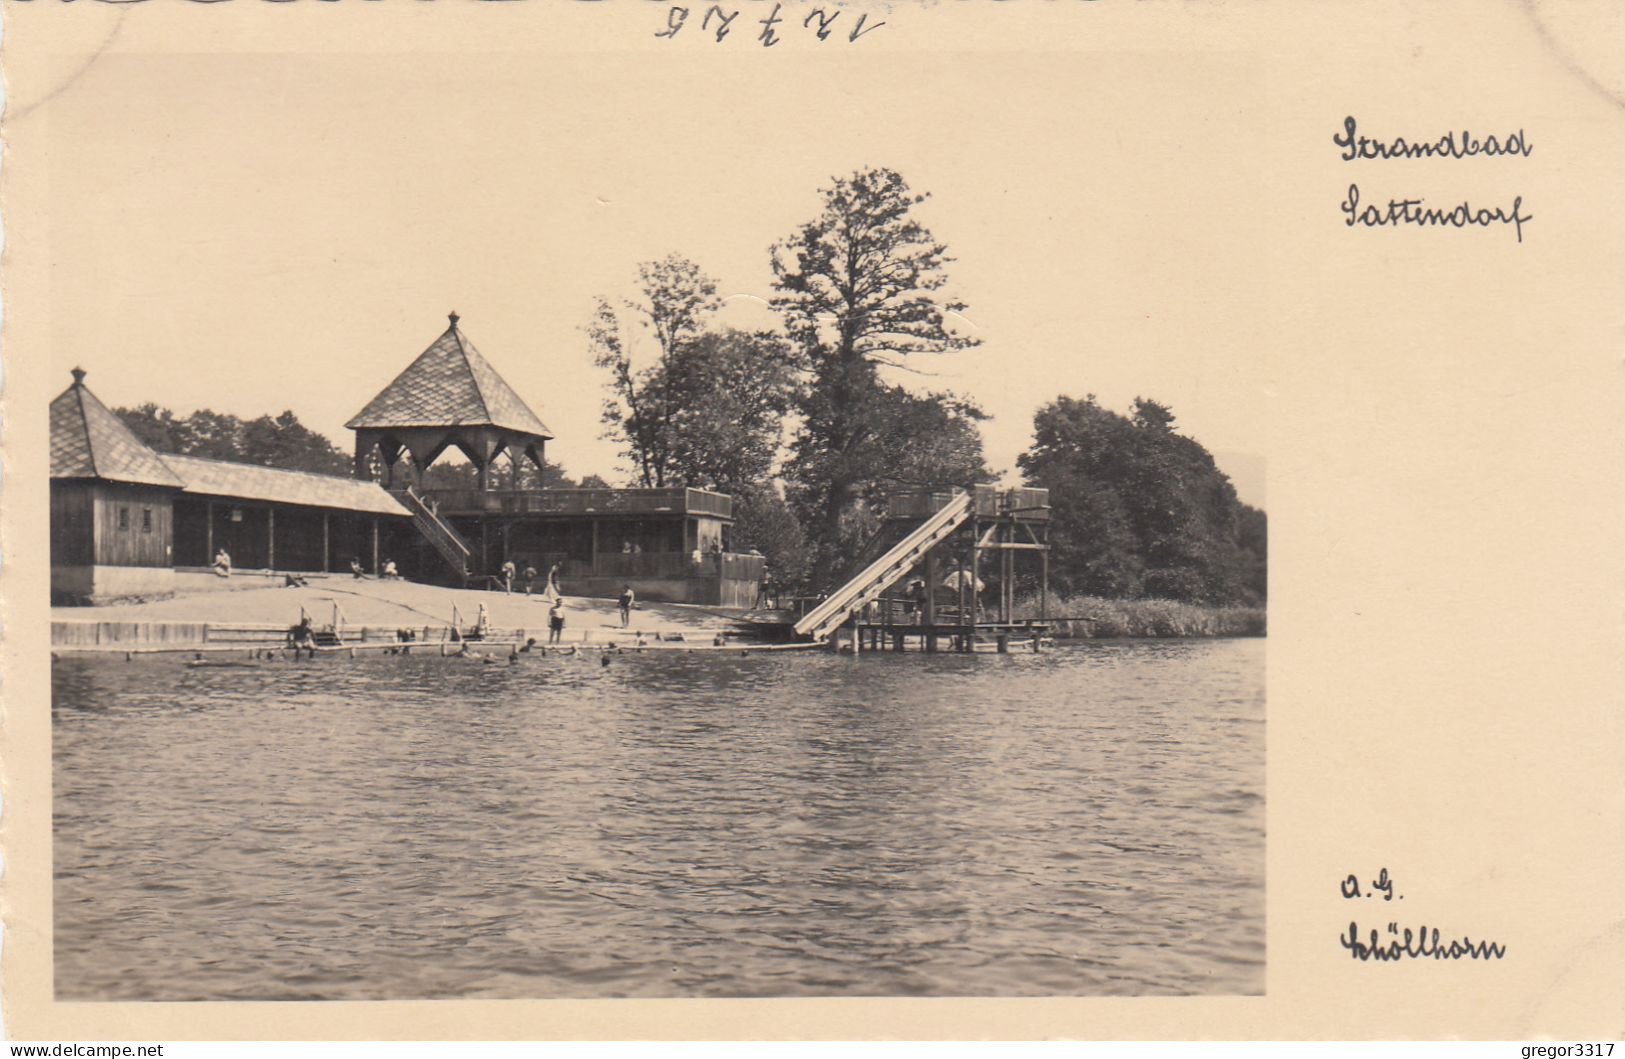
679, 564
990, 501
581, 502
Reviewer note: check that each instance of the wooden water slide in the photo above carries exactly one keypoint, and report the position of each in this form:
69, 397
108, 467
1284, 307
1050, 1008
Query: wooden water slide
885, 571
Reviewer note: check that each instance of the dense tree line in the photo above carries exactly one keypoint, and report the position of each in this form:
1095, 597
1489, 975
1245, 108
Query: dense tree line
282, 441
1139, 510
860, 289
270, 441
810, 429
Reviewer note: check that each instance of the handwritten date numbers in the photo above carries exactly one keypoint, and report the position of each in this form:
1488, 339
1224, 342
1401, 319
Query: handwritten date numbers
717, 22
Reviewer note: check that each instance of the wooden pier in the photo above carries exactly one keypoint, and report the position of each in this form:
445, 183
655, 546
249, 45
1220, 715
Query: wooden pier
994, 636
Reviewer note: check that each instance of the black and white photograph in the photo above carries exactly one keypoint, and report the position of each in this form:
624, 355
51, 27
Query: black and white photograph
512, 559
785, 519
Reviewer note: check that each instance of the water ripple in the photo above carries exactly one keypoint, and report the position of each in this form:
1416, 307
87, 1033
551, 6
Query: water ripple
1087, 821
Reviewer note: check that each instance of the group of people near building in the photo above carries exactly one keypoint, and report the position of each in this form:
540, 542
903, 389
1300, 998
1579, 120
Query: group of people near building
511, 572
387, 570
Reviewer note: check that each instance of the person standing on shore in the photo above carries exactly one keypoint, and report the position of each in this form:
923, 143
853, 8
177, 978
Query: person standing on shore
507, 576
555, 621
627, 599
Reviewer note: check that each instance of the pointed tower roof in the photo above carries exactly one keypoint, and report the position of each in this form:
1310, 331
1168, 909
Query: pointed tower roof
88, 440
449, 384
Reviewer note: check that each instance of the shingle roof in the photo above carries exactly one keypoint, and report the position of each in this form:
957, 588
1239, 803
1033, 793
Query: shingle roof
449, 384
249, 481
88, 440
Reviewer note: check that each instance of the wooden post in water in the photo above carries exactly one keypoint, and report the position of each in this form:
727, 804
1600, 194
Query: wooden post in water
930, 616
1043, 584
270, 538
975, 578
1008, 574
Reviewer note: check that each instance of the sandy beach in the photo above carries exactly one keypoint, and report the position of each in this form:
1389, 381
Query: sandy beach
253, 599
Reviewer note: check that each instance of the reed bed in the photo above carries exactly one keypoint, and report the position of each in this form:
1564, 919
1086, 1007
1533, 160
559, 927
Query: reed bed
1091, 617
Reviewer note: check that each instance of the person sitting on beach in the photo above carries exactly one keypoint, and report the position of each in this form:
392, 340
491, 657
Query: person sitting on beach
294, 581
355, 569
222, 563
555, 621
390, 573
627, 599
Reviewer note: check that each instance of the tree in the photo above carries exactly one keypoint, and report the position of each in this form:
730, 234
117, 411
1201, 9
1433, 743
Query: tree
929, 441
1139, 510
285, 442
464, 475
707, 409
270, 441
678, 301
154, 425
729, 392
858, 290
765, 522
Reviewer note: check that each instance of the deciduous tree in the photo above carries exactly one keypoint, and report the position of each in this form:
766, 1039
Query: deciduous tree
705, 406
271, 441
1140, 510
859, 288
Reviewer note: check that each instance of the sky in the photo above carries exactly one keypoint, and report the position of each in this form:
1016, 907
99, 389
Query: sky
304, 264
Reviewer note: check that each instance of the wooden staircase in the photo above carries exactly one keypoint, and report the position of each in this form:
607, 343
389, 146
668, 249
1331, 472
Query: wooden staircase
451, 545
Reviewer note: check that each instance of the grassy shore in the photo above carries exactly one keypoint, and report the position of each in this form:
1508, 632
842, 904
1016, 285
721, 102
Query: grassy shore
1091, 617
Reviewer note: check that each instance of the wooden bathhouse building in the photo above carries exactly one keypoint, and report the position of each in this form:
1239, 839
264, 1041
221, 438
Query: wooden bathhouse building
124, 518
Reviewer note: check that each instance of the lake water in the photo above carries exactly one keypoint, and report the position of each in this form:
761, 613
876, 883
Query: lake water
1085, 821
